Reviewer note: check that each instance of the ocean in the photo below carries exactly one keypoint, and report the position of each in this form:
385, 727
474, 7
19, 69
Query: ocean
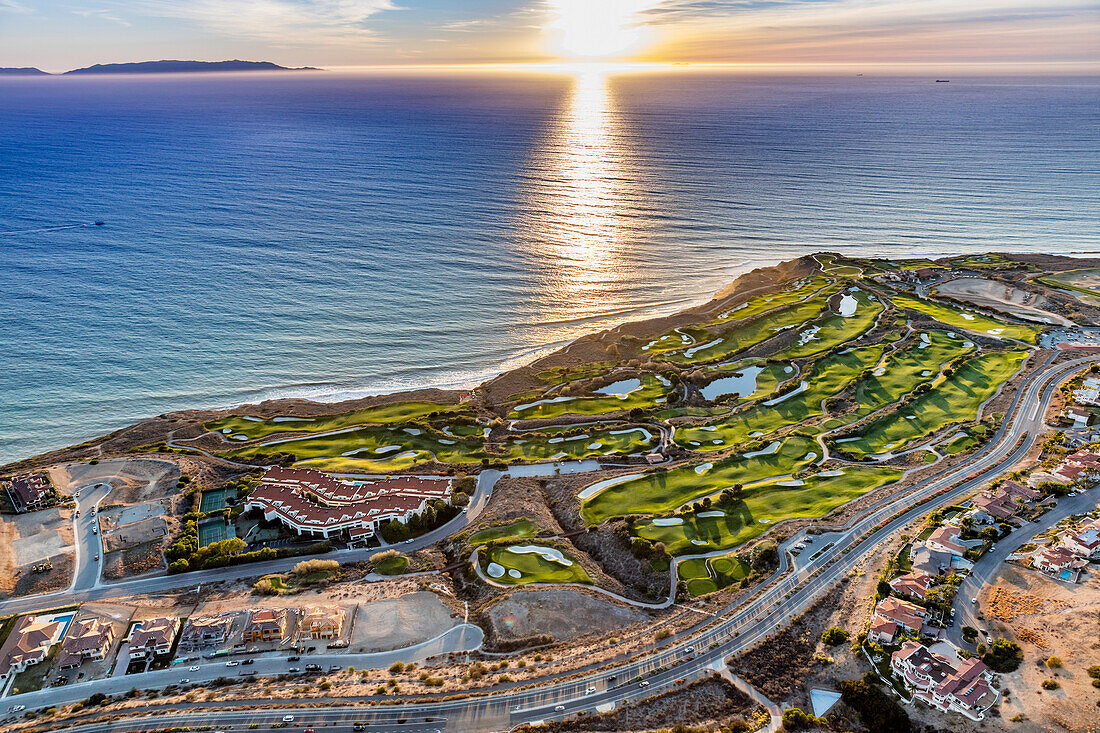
327, 235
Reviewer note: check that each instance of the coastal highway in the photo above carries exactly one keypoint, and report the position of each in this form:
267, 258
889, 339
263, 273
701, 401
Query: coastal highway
684, 657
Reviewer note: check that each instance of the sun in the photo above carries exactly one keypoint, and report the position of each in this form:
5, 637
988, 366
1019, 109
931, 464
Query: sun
597, 29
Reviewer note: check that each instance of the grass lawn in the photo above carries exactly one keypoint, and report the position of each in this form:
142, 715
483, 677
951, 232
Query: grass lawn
677, 339
370, 446
753, 332
771, 375
955, 399
519, 529
660, 492
393, 565
532, 567
764, 505
833, 329
829, 376
969, 320
649, 390
535, 447
397, 412
904, 369
958, 445
705, 576
795, 291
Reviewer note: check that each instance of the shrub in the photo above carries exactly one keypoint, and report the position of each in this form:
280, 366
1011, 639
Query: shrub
834, 635
305, 567
878, 711
1050, 685
397, 668
1054, 663
1004, 656
796, 719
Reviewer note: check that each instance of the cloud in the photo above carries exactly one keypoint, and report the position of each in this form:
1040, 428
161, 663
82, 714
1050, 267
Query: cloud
288, 22
11, 6
102, 15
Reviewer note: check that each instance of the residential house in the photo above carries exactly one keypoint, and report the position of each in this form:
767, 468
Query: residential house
1079, 417
265, 624
992, 507
322, 622
1056, 561
946, 539
908, 616
1084, 542
89, 638
29, 643
924, 559
962, 687
1019, 492
153, 637
912, 585
29, 492
882, 631
206, 631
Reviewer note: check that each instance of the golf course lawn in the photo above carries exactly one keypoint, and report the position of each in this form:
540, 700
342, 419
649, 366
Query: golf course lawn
795, 291
955, 399
706, 575
381, 415
919, 360
833, 329
753, 332
764, 505
372, 443
517, 530
768, 379
677, 339
650, 388
343, 464
829, 376
535, 447
532, 567
660, 492
969, 320
958, 444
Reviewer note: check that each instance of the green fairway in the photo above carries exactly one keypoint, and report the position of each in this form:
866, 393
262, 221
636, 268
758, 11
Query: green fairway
649, 389
659, 492
958, 444
969, 320
919, 360
829, 376
706, 575
536, 447
955, 399
764, 505
833, 329
749, 334
382, 445
519, 529
254, 428
738, 383
520, 564
677, 339
793, 292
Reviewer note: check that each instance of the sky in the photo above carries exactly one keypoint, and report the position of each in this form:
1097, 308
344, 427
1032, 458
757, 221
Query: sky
57, 35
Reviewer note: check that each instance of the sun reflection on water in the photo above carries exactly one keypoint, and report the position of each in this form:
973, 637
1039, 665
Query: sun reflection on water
577, 201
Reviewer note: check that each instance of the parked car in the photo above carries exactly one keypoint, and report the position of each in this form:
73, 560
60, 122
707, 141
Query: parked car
294, 669
334, 668
17, 708
97, 558
295, 658
193, 668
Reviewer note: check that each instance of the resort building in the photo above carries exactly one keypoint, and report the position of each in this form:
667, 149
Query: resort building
89, 638
962, 687
153, 637
912, 585
322, 622
29, 643
206, 631
30, 492
265, 624
314, 503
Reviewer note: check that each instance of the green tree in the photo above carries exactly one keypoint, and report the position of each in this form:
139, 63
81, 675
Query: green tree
834, 635
1004, 656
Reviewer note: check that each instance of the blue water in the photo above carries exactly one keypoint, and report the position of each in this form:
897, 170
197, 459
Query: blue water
326, 235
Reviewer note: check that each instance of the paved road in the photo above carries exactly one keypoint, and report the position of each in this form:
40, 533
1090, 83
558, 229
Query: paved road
89, 544
735, 632
989, 565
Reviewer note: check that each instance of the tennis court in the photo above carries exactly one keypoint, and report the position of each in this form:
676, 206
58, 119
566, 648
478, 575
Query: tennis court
214, 530
215, 499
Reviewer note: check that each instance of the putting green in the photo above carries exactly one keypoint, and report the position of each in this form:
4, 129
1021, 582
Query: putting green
705, 576
548, 565
659, 492
969, 320
829, 376
955, 399
763, 506
381, 415
793, 292
519, 529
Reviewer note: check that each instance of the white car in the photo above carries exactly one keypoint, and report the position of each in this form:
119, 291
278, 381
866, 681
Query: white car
193, 668
231, 664
288, 718
590, 690
185, 680
18, 708
95, 530
644, 683
559, 708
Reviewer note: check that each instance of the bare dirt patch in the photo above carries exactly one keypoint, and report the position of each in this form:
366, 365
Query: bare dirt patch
1048, 618
561, 613
133, 560
132, 480
29, 583
30, 539
1002, 297
399, 622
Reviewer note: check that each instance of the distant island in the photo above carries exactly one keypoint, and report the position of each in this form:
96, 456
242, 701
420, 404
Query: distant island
163, 67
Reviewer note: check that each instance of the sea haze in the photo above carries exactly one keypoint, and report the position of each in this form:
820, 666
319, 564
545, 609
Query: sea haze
325, 235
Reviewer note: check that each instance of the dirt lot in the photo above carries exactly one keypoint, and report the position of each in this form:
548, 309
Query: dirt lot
28, 539
398, 622
151, 529
1002, 297
132, 480
563, 614
1048, 618
131, 561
